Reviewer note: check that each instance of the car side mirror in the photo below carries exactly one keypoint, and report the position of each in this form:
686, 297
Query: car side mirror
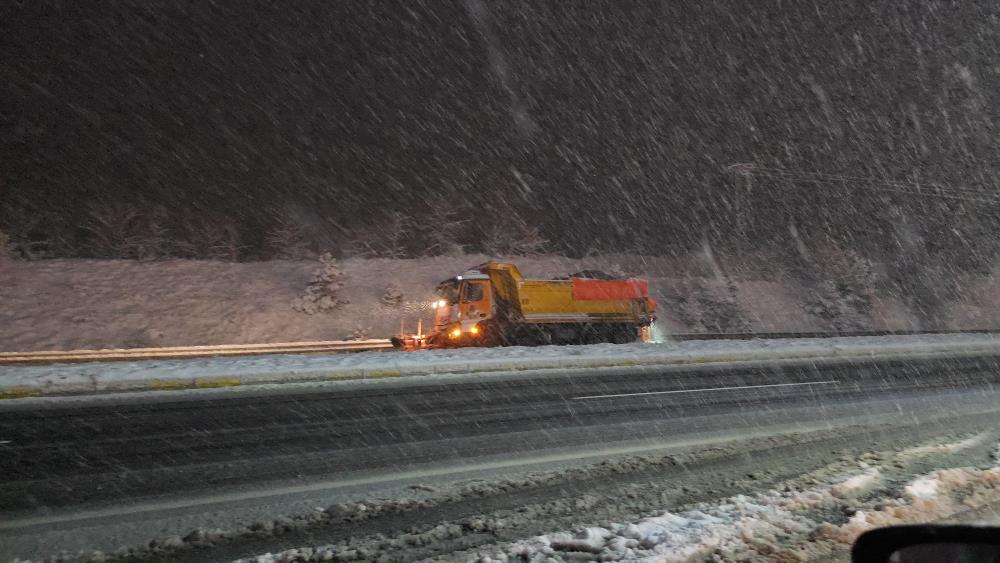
928, 543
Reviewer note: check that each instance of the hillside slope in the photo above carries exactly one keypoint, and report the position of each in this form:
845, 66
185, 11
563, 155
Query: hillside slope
66, 304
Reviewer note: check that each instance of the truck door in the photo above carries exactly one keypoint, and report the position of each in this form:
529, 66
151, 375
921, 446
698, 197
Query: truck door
476, 300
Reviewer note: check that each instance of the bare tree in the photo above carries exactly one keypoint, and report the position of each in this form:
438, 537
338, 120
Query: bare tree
287, 241
125, 231
387, 239
514, 237
210, 240
443, 232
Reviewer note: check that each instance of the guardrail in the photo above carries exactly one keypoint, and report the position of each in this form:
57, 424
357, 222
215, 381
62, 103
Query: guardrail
131, 354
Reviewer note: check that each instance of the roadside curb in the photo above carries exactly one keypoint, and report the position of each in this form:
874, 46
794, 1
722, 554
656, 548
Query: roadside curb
93, 384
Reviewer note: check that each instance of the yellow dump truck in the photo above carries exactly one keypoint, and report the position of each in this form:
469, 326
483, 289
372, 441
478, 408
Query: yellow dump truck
494, 305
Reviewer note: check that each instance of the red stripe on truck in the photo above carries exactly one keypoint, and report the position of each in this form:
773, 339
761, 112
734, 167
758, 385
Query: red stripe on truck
599, 290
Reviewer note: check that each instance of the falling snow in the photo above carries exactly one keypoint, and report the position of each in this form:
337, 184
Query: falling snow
256, 172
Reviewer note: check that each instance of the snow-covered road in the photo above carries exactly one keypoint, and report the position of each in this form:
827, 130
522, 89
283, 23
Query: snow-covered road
260, 468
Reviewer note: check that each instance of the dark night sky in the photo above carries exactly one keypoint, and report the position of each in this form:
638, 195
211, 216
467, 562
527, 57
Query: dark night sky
605, 123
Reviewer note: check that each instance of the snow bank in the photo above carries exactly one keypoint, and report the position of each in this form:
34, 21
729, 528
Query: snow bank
932, 497
857, 485
947, 448
789, 525
16, 381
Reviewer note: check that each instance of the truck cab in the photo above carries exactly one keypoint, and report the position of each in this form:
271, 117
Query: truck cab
463, 302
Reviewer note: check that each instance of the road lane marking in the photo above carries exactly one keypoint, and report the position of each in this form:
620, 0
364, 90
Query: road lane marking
706, 389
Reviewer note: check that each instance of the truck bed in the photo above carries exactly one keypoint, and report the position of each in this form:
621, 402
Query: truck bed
579, 300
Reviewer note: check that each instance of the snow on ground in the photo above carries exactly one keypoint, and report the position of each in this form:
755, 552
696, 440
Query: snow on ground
81, 304
950, 447
189, 373
775, 525
858, 485
787, 523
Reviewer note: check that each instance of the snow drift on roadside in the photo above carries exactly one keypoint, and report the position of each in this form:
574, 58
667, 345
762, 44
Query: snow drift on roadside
786, 523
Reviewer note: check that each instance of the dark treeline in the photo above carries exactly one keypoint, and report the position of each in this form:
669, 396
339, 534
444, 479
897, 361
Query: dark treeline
241, 130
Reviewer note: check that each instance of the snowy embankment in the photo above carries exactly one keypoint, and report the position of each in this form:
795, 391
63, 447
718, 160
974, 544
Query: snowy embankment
226, 372
811, 518
785, 525
99, 304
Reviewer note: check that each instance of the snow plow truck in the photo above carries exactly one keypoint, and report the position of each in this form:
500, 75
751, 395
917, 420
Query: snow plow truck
494, 305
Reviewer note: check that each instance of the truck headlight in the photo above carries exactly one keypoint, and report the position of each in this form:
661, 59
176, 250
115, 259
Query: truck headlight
456, 333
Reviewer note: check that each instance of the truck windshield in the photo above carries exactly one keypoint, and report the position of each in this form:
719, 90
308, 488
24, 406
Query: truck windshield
473, 292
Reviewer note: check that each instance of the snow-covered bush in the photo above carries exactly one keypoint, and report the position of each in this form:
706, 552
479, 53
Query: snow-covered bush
843, 288
722, 313
392, 296
707, 309
321, 294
